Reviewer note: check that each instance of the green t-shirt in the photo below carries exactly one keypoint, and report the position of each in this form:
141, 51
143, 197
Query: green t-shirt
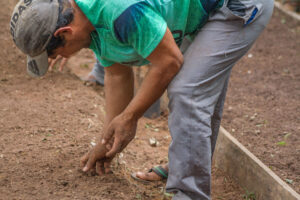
127, 31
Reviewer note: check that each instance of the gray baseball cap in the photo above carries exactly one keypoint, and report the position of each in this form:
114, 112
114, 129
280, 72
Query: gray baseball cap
32, 25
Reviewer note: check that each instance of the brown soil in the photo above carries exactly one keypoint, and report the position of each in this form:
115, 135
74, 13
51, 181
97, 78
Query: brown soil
47, 124
263, 101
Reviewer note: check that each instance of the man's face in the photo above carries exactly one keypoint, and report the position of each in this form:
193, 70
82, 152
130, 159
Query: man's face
74, 41
62, 51
67, 50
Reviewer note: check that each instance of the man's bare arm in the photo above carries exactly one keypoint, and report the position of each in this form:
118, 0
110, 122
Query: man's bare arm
122, 117
119, 90
167, 61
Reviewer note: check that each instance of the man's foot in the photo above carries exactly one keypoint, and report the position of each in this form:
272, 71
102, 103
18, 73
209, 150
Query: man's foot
155, 174
92, 79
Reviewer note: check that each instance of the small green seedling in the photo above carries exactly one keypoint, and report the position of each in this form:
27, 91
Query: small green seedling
249, 195
85, 66
283, 143
168, 196
148, 125
138, 196
289, 181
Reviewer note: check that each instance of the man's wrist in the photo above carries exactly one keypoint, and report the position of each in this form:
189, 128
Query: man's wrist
131, 115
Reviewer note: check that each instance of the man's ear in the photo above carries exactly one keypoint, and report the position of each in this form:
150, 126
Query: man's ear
63, 30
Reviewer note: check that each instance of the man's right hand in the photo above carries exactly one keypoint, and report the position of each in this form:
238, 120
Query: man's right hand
52, 62
96, 158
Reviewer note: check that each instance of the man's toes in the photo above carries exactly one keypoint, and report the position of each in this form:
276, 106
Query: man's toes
150, 176
141, 175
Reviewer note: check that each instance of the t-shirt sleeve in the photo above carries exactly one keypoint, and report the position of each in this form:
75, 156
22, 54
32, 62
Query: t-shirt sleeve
141, 27
105, 63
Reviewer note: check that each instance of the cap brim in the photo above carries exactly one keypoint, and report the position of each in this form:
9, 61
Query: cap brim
38, 65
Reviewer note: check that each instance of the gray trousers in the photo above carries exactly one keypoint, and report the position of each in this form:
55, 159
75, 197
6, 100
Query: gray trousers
198, 92
98, 72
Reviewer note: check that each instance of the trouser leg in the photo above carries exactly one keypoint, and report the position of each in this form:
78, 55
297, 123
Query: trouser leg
217, 115
197, 96
98, 72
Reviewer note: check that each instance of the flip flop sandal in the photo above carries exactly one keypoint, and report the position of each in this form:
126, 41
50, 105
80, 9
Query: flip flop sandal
159, 170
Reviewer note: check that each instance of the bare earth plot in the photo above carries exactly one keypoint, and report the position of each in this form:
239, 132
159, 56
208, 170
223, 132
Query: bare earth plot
262, 109
47, 124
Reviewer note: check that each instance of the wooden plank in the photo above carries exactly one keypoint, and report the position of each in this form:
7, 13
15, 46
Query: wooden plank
238, 162
287, 12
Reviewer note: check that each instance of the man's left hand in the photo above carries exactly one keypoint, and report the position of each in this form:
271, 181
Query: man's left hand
121, 130
52, 62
